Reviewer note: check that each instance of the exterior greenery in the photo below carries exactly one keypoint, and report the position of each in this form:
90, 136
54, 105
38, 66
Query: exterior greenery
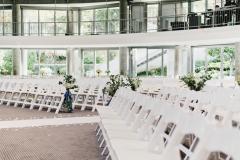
214, 62
154, 72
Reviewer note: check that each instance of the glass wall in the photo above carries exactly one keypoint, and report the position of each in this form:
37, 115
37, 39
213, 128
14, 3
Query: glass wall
100, 62
99, 21
198, 6
6, 61
113, 20
5, 22
44, 22
151, 61
152, 17
30, 22
61, 22
219, 61
46, 61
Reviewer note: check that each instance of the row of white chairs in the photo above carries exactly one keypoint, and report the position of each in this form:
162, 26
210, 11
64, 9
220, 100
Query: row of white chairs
48, 94
171, 127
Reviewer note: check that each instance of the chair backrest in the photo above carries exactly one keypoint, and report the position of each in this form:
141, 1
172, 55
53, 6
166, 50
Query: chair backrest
220, 143
185, 140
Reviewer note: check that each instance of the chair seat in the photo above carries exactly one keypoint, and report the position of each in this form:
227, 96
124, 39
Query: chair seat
133, 150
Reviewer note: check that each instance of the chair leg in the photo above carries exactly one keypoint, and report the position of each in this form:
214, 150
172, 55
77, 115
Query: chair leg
102, 143
99, 138
40, 108
104, 150
97, 128
83, 107
49, 109
93, 109
98, 132
108, 157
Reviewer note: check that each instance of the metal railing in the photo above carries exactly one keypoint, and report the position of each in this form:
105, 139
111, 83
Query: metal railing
211, 18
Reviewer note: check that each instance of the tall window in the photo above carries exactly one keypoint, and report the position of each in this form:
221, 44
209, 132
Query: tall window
46, 62
155, 62
198, 6
151, 62
61, 22
113, 20
100, 62
199, 60
220, 61
99, 21
141, 61
114, 62
89, 62
46, 19
87, 21
6, 61
152, 18
44, 22
30, 22
5, 22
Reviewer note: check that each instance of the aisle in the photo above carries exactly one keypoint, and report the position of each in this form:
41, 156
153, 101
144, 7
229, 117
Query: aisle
48, 122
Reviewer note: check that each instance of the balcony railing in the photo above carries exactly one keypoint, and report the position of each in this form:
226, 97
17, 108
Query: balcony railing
226, 16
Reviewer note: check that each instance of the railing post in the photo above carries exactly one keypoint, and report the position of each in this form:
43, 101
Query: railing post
213, 19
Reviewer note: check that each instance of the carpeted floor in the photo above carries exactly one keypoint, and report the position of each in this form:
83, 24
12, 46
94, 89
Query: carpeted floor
17, 113
64, 142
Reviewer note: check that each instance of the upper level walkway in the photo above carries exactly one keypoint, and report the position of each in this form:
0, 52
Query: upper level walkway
198, 37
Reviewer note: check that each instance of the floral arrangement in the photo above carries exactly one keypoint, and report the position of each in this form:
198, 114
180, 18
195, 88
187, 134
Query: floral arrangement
45, 71
68, 82
99, 71
117, 81
195, 82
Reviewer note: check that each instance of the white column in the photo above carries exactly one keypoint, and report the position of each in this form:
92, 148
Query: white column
17, 65
74, 62
124, 51
184, 60
171, 63
70, 62
24, 63
132, 64
237, 61
77, 63
178, 51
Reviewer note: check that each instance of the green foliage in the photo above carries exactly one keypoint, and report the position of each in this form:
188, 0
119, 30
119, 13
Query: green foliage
68, 82
32, 59
43, 57
99, 59
61, 70
88, 59
214, 61
60, 59
7, 65
153, 72
194, 82
117, 81
134, 83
